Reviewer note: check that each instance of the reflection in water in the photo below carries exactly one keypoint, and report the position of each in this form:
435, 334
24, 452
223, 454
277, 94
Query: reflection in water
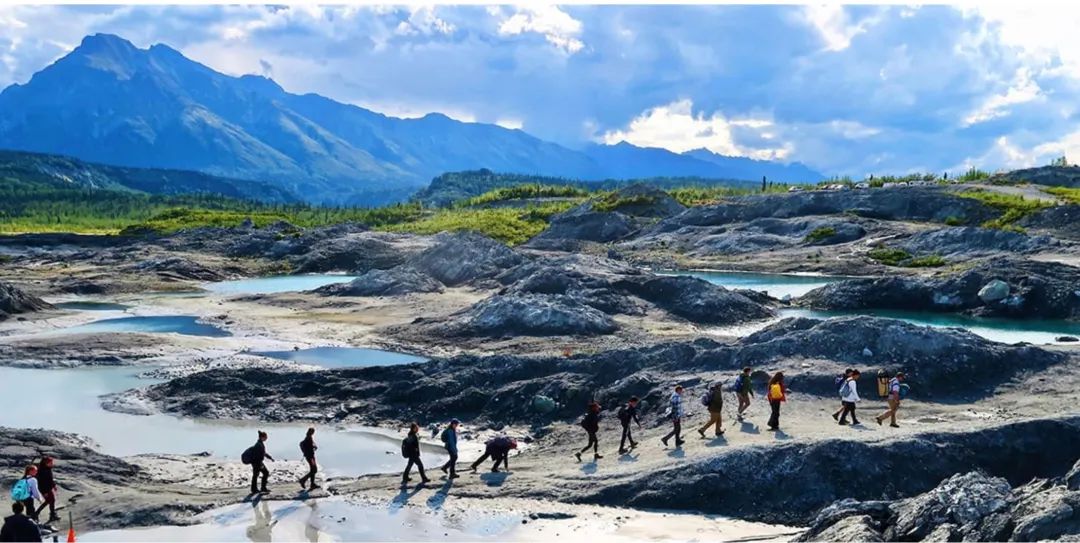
276, 284
343, 357
163, 324
262, 522
774, 284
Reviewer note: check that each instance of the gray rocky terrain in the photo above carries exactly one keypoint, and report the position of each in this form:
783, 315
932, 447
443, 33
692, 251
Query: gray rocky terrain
14, 300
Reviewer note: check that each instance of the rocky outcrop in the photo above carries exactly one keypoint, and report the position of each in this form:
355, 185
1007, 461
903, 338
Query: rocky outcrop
1054, 176
791, 483
940, 363
465, 257
529, 315
14, 300
586, 226
392, 282
1062, 220
969, 242
611, 217
1035, 290
694, 299
175, 268
972, 506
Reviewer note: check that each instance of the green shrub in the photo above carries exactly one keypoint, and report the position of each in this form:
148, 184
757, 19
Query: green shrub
1071, 195
524, 192
889, 257
614, 202
1013, 207
819, 234
932, 261
954, 221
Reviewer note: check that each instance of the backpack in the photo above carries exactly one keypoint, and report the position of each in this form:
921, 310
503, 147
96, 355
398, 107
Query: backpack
844, 388
706, 398
405, 448
624, 415
445, 436
248, 456
839, 381
738, 386
20, 490
904, 389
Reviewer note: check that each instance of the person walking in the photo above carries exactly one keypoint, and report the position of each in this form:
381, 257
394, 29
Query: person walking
743, 391
449, 439
894, 401
677, 414
258, 456
19, 527
498, 448
777, 395
591, 424
716, 409
308, 448
26, 490
48, 488
849, 394
410, 448
841, 382
628, 414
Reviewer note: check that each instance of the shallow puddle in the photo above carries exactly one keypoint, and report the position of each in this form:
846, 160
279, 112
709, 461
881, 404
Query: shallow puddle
162, 324
276, 284
343, 357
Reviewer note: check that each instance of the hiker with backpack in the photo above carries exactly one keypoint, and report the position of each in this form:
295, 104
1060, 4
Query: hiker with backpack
743, 391
47, 486
25, 490
849, 395
256, 456
714, 401
19, 527
897, 392
308, 448
410, 448
626, 414
591, 424
449, 439
676, 413
498, 448
777, 394
839, 383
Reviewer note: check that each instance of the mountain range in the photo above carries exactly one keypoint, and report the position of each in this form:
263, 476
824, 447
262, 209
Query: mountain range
108, 101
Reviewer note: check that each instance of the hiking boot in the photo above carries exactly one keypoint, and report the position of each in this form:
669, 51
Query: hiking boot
425, 481
664, 441
878, 421
720, 433
772, 429
254, 490
314, 487
264, 490
494, 470
835, 417
895, 425
633, 445
679, 443
302, 484
53, 518
597, 457
623, 451
843, 423
445, 469
701, 433
578, 456
472, 468
453, 476
856, 423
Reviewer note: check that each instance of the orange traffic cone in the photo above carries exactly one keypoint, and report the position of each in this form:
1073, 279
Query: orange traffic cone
71, 535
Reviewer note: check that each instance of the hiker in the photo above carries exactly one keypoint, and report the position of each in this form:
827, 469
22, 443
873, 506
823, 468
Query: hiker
257, 456
628, 413
25, 490
449, 439
591, 424
410, 448
849, 394
498, 448
714, 401
47, 486
677, 415
895, 395
839, 383
308, 448
777, 395
19, 527
743, 391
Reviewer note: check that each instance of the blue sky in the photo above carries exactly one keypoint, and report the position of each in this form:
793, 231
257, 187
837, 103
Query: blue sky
846, 90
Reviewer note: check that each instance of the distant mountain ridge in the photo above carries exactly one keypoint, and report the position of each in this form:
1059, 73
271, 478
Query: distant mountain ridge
110, 102
61, 171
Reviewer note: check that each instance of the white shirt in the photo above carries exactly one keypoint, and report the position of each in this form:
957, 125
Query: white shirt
34, 492
851, 391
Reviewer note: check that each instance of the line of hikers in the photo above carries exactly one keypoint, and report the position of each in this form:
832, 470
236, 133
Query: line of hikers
893, 389
36, 485
498, 448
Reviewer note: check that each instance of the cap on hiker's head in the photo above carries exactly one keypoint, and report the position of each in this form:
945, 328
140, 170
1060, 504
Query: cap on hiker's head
454, 421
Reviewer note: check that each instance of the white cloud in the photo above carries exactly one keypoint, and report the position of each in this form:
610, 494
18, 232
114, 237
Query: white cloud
834, 25
1043, 32
1023, 89
423, 20
557, 26
675, 127
512, 124
853, 130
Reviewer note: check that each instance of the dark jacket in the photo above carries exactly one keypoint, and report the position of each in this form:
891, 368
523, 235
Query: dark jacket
19, 528
627, 414
259, 455
591, 422
45, 479
716, 401
410, 447
308, 447
449, 437
499, 446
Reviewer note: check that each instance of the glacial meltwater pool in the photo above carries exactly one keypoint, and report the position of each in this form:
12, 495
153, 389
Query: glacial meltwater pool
83, 305
276, 284
1036, 332
161, 324
774, 284
343, 357
68, 400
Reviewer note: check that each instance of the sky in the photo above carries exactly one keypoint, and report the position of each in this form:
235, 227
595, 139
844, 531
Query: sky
847, 90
